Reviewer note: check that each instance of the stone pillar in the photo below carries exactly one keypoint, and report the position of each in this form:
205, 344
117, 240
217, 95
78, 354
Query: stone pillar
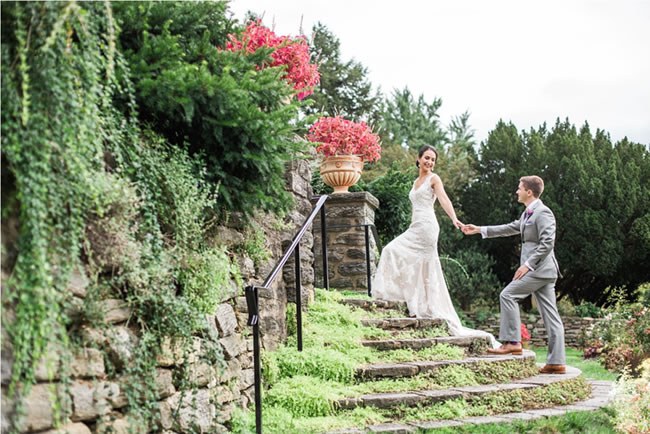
346, 245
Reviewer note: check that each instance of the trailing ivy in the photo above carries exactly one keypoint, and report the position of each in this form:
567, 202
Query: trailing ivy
78, 170
57, 63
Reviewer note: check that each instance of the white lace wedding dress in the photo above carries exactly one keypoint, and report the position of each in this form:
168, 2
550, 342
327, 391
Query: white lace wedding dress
409, 268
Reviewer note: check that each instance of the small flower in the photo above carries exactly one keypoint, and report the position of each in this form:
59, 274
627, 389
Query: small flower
525, 334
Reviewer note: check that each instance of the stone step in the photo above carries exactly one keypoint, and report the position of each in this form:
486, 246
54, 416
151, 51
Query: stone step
474, 344
410, 369
600, 397
373, 304
427, 397
404, 323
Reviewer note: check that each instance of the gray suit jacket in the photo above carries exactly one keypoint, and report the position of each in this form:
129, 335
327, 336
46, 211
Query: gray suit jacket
537, 240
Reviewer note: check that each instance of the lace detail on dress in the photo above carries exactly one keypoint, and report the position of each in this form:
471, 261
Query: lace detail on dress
409, 268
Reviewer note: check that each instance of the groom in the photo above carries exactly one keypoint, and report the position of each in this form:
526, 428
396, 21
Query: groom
536, 275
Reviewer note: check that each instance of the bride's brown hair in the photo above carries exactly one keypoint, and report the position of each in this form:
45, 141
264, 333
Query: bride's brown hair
421, 152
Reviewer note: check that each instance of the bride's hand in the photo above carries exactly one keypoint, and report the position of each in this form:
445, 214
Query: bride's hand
458, 224
471, 229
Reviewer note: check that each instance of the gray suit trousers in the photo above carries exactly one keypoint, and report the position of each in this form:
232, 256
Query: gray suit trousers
544, 292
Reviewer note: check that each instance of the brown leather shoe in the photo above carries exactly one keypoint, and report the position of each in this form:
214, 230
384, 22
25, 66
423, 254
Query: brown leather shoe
514, 349
553, 369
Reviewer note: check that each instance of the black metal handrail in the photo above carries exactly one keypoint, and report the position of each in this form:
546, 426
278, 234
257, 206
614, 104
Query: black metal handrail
252, 295
252, 298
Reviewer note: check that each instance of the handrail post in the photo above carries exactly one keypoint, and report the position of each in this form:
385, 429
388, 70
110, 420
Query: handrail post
298, 297
323, 237
252, 301
367, 235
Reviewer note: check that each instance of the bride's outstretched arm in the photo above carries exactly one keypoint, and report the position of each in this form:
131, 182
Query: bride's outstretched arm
439, 189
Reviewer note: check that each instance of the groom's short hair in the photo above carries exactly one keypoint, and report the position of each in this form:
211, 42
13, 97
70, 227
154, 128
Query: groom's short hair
533, 183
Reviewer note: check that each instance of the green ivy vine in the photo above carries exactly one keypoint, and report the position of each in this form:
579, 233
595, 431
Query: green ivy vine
73, 153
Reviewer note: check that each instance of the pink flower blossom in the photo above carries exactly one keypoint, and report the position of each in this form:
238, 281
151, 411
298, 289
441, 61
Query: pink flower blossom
525, 334
338, 136
293, 54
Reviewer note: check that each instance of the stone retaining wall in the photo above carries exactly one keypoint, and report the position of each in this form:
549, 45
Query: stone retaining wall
94, 400
575, 328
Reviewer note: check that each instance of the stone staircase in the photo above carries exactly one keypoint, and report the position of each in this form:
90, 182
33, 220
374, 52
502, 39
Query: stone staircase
508, 378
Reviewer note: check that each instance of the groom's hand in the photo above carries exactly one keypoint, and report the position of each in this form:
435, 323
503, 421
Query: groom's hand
471, 229
521, 272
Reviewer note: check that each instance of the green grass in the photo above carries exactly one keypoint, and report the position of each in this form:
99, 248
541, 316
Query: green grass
591, 368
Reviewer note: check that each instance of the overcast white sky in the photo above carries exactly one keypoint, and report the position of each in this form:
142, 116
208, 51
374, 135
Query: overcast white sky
518, 60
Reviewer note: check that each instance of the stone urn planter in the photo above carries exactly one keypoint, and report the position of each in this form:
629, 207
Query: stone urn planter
341, 171
345, 146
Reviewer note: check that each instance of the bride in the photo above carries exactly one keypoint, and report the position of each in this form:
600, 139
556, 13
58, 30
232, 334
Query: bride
409, 268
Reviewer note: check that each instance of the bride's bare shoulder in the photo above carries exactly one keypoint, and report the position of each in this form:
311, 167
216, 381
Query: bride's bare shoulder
435, 179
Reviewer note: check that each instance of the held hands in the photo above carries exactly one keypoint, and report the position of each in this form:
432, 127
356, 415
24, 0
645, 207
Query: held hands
458, 223
470, 229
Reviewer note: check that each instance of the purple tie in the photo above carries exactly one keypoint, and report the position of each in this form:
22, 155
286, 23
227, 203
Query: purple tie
529, 212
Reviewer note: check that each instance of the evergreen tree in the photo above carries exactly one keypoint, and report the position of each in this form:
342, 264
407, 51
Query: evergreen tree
597, 190
412, 123
219, 104
458, 159
344, 88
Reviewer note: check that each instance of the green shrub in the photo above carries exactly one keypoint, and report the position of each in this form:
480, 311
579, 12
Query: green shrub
622, 339
175, 185
588, 309
394, 214
254, 245
240, 117
643, 293
205, 277
632, 402
469, 276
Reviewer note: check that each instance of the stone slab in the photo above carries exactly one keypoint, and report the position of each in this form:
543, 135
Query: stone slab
387, 400
484, 419
577, 407
391, 323
388, 370
546, 412
440, 395
348, 403
394, 428
519, 416
428, 366
417, 344
433, 424
460, 341
477, 390
515, 386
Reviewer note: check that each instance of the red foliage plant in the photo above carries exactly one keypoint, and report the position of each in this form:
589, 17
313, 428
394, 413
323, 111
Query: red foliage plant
338, 136
292, 53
